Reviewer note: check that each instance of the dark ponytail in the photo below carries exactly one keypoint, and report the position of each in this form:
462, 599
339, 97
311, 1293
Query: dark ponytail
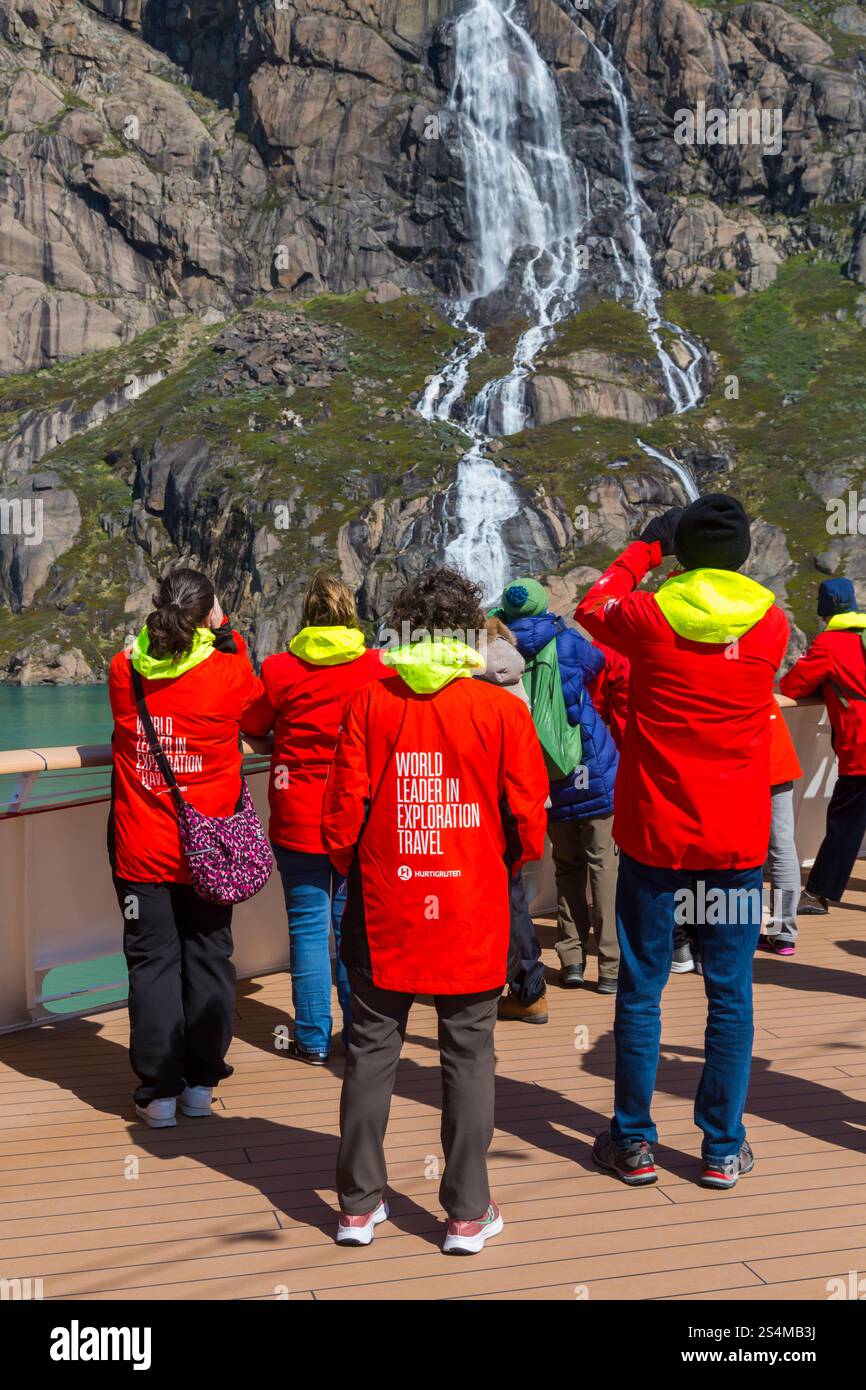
182, 603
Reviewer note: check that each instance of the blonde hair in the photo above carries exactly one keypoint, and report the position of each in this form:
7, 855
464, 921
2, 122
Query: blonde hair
497, 628
329, 602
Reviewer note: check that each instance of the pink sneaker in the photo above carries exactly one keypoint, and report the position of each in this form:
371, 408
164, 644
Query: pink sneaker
775, 946
358, 1230
468, 1237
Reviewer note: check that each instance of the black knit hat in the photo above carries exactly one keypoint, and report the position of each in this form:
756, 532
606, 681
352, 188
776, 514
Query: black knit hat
713, 533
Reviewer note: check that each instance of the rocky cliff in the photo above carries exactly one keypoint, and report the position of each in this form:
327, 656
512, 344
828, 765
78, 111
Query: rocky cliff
228, 238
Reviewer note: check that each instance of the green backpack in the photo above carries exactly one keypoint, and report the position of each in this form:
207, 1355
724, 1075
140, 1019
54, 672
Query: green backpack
560, 740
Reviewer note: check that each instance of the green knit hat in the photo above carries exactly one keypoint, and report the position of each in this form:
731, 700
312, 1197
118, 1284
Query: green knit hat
523, 598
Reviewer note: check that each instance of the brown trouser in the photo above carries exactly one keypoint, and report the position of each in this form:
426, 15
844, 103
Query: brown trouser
467, 1063
584, 850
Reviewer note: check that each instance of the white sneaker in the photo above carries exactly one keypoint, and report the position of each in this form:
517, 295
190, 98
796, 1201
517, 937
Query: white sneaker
197, 1101
358, 1230
159, 1114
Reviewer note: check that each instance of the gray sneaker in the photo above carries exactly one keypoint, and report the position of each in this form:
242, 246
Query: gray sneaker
723, 1173
631, 1163
683, 960
811, 905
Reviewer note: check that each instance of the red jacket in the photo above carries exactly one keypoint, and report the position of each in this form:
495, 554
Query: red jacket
198, 716
308, 701
609, 691
428, 796
694, 776
784, 763
835, 665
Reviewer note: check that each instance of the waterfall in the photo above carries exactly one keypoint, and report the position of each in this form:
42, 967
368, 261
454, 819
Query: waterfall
678, 469
524, 193
683, 384
521, 188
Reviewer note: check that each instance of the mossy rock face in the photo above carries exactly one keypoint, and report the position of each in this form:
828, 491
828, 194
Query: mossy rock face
786, 410
815, 14
787, 405
605, 326
358, 436
89, 379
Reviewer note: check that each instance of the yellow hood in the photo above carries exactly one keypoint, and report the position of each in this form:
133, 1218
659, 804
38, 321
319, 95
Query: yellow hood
165, 668
847, 622
328, 646
709, 605
428, 666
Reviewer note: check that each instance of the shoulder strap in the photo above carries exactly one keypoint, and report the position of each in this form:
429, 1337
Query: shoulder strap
155, 748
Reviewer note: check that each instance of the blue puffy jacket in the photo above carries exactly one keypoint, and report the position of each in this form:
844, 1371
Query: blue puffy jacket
579, 664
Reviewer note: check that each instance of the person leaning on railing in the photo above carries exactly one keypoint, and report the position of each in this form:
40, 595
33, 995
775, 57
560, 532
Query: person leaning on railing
309, 687
835, 666
200, 692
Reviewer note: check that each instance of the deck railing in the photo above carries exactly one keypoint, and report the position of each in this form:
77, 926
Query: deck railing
33, 778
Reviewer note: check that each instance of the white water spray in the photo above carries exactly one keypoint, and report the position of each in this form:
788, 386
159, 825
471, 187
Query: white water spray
683, 384
678, 469
523, 193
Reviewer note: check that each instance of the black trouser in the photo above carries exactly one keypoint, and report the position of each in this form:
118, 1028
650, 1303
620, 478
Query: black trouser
525, 970
181, 987
846, 827
687, 936
467, 1064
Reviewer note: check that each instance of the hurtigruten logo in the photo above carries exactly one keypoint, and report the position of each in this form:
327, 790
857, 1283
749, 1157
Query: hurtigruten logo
77, 1343
739, 126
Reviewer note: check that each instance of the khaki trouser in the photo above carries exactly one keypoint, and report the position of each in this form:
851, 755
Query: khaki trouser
583, 850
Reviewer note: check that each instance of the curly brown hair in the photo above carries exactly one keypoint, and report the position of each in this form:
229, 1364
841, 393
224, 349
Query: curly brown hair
441, 599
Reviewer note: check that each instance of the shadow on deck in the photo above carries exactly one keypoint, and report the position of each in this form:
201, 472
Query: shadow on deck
242, 1205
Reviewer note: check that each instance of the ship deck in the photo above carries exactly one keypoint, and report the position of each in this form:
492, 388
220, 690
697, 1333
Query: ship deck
241, 1206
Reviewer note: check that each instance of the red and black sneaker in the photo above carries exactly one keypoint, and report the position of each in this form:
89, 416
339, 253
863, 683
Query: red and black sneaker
723, 1173
631, 1163
468, 1237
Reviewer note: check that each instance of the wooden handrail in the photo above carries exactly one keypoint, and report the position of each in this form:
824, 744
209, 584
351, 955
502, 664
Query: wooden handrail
24, 760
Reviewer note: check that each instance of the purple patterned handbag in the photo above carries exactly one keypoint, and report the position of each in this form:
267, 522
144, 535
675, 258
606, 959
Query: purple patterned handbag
228, 857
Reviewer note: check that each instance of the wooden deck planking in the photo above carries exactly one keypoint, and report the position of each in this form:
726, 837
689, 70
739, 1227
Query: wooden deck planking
242, 1206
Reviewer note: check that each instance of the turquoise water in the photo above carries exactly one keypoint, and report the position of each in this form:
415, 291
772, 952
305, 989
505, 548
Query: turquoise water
45, 716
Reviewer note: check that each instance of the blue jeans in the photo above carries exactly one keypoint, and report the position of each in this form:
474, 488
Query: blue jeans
646, 902
315, 900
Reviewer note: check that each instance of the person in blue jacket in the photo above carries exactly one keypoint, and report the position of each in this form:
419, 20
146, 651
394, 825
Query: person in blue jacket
582, 762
